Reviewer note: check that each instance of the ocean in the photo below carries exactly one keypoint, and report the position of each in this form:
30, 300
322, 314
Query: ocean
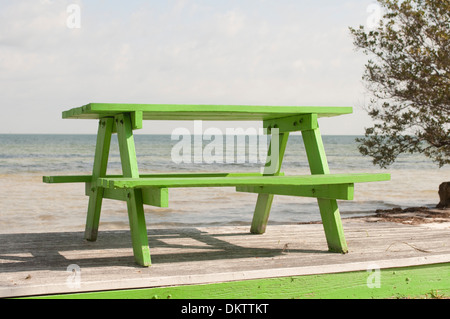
28, 205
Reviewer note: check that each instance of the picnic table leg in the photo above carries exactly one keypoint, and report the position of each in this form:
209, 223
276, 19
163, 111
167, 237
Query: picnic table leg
264, 201
100, 164
135, 204
329, 211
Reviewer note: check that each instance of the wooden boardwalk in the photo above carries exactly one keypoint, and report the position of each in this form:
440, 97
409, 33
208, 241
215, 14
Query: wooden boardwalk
62, 262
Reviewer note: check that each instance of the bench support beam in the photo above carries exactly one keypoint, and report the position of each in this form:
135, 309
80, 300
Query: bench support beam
292, 123
153, 196
338, 191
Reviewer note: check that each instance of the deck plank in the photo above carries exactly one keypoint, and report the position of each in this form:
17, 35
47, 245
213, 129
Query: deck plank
37, 263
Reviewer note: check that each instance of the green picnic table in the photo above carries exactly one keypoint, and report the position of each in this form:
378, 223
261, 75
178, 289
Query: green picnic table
137, 189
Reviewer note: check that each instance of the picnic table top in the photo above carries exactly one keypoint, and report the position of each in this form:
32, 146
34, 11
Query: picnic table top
201, 112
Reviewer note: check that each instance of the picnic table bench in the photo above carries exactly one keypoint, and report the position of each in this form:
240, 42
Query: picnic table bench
152, 189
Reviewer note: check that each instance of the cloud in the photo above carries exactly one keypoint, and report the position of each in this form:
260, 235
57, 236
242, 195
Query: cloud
231, 23
30, 24
172, 52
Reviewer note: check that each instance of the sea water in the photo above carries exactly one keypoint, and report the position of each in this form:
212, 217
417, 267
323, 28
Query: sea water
27, 204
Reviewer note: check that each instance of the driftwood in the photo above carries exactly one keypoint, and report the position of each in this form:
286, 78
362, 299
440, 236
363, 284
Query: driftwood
444, 195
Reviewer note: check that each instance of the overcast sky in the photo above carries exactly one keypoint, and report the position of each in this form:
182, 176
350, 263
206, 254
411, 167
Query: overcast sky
255, 52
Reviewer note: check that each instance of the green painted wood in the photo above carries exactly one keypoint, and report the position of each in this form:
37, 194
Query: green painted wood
337, 191
136, 120
278, 142
315, 152
154, 189
272, 167
158, 197
201, 112
292, 123
67, 179
126, 146
328, 179
427, 281
329, 210
88, 178
138, 227
99, 170
135, 204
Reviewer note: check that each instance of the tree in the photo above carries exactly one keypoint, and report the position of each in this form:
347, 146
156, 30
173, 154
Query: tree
408, 76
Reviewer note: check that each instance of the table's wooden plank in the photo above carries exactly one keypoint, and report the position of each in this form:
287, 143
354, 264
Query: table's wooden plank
241, 181
88, 178
201, 112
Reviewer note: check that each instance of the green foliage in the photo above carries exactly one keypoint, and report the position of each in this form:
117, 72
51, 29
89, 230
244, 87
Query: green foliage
408, 75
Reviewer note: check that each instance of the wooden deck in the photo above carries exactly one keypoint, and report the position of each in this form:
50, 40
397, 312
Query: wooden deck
37, 263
